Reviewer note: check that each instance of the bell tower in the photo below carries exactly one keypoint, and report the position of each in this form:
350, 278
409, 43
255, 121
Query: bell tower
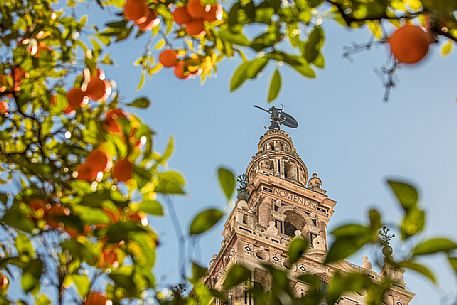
277, 201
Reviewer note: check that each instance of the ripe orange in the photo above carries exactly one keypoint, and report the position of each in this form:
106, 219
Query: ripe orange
181, 16
3, 83
135, 10
409, 44
97, 160
86, 172
56, 211
109, 257
3, 107
39, 208
195, 9
214, 13
122, 170
4, 282
100, 74
76, 98
96, 298
150, 21
96, 89
168, 58
180, 70
138, 217
42, 48
18, 75
53, 100
195, 27
111, 118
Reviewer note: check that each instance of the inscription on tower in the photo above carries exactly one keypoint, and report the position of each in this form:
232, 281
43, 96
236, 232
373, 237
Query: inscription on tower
293, 197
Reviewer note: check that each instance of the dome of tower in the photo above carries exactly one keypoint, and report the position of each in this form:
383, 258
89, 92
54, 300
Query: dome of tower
276, 156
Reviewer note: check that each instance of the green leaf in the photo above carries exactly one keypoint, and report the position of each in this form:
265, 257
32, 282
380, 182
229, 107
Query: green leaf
297, 248
453, 262
421, 269
239, 76
275, 86
197, 272
170, 182
204, 221
227, 181
305, 70
350, 229
152, 207
405, 193
81, 282
24, 246
344, 247
413, 223
31, 275
256, 66
160, 44
313, 44
434, 245
236, 275
234, 38
141, 82
141, 102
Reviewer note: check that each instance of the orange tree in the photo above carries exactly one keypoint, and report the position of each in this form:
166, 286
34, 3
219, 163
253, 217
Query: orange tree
79, 171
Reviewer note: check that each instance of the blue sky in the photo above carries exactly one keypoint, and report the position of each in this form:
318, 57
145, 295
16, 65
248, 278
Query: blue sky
347, 134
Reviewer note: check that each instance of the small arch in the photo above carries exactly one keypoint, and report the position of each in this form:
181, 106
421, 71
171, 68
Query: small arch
293, 222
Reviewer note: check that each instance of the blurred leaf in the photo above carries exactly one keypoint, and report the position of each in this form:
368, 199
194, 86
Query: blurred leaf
297, 248
170, 182
275, 86
405, 193
256, 66
236, 275
197, 272
344, 247
419, 268
413, 223
81, 282
350, 229
434, 245
239, 76
160, 44
152, 207
31, 275
235, 38
453, 262
204, 221
227, 181
141, 102
24, 246
446, 48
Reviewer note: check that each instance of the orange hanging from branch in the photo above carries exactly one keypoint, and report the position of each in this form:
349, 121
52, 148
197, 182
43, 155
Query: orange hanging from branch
409, 44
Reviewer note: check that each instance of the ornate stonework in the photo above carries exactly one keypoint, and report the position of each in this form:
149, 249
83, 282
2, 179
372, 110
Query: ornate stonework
280, 204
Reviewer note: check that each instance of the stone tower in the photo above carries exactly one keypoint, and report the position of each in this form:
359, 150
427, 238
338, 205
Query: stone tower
281, 201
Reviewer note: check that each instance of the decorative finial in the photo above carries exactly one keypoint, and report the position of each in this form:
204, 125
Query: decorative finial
278, 117
242, 187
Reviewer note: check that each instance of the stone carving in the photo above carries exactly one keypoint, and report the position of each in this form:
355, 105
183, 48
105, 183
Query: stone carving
272, 230
315, 182
319, 243
366, 263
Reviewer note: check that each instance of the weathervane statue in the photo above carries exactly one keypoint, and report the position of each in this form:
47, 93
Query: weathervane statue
278, 117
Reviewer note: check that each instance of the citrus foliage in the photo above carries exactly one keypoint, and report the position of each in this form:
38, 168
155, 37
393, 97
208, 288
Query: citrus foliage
195, 36
80, 174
